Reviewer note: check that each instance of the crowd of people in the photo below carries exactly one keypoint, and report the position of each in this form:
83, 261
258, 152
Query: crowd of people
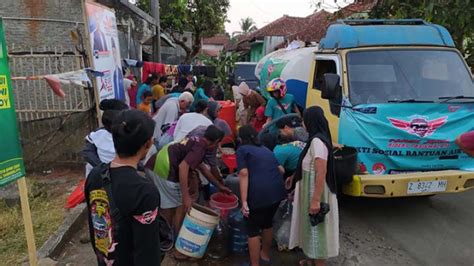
158, 154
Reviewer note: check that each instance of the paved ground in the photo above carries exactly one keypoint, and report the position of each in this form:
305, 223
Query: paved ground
433, 231
412, 231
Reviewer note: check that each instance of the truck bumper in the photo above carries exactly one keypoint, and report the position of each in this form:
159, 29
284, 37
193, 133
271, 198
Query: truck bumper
386, 186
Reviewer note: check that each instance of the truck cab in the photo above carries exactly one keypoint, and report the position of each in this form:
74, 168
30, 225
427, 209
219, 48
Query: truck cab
400, 93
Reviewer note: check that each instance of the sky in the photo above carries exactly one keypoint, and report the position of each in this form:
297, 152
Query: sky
266, 11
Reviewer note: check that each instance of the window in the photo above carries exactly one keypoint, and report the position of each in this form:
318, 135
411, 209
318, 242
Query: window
381, 76
323, 67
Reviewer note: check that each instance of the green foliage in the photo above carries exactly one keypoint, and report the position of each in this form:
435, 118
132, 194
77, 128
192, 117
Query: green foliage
456, 15
247, 25
223, 63
203, 18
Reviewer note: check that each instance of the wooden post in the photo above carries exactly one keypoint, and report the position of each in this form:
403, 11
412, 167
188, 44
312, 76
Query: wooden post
155, 13
25, 209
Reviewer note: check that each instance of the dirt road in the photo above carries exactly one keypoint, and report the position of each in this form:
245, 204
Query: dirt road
409, 231
432, 231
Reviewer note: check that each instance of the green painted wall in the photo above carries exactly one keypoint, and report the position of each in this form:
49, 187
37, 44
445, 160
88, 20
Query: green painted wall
256, 52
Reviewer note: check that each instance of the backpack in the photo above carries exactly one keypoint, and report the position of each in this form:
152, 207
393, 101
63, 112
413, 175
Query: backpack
166, 231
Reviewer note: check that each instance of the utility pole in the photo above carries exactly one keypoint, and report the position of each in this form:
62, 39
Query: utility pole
155, 13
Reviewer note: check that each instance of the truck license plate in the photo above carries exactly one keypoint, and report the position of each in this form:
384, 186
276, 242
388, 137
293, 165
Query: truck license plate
427, 186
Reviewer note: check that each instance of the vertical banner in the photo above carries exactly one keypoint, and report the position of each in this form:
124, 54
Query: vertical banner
104, 43
11, 160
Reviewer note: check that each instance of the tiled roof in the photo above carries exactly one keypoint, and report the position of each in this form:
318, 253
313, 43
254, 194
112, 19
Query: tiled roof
210, 52
309, 29
237, 45
357, 7
219, 39
315, 27
284, 26
318, 22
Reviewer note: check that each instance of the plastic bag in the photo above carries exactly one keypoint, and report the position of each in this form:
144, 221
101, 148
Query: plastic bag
282, 225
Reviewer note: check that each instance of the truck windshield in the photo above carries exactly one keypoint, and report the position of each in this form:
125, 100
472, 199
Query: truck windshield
383, 76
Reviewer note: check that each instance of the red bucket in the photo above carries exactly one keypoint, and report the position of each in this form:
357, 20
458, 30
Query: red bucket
224, 202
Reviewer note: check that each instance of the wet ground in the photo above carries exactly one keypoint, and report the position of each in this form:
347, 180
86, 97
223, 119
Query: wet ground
410, 231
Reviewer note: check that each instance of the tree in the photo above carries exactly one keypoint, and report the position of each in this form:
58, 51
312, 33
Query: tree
223, 64
456, 15
247, 25
203, 18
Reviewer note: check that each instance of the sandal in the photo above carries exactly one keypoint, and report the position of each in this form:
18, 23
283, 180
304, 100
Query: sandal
265, 262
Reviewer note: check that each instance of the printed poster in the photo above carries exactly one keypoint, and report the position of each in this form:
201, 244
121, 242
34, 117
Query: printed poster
11, 159
103, 36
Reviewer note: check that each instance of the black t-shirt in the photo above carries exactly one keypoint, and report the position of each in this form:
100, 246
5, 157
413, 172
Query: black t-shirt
134, 240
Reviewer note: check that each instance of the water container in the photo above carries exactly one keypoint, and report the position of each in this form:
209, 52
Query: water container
228, 114
232, 182
223, 203
196, 231
219, 245
237, 232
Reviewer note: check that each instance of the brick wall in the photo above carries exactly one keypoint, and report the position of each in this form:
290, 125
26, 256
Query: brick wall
31, 34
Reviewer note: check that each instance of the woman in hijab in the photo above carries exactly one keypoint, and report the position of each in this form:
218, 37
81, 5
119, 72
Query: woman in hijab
251, 100
315, 185
213, 110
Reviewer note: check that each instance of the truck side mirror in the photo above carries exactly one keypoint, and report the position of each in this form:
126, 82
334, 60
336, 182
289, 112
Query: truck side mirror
331, 90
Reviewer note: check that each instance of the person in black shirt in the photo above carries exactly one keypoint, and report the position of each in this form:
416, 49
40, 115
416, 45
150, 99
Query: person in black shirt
130, 237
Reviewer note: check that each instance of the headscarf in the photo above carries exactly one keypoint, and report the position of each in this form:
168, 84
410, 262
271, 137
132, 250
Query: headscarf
244, 89
212, 109
317, 127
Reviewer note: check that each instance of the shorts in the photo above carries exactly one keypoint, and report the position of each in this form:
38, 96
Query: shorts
260, 219
170, 192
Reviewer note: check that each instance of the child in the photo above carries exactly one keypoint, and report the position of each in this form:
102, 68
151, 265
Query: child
151, 81
259, 120
261, 189
132, 92
145, 105
99, 147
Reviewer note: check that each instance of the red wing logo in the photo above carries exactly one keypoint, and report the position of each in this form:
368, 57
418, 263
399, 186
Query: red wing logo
419, 126
147, 217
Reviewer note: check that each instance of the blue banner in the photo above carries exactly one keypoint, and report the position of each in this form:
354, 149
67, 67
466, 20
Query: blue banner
407, 137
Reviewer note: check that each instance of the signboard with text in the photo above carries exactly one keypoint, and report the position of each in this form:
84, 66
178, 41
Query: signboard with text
105, 50
408, 137
11, 159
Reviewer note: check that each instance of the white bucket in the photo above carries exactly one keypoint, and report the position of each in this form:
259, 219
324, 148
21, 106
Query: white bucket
196, 231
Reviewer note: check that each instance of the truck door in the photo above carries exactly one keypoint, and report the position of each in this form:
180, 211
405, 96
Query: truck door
322, 65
